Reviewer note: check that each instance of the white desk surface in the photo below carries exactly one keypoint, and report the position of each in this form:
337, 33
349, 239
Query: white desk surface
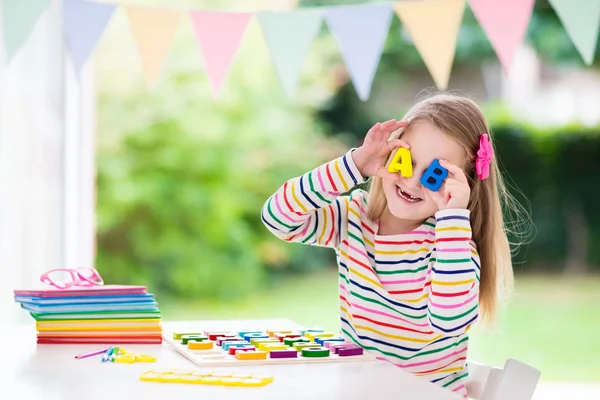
50, 372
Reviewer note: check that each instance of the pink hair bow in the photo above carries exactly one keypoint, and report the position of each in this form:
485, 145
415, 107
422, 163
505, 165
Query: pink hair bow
484, 157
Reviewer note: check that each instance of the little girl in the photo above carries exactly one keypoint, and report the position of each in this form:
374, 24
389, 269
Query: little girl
417, 267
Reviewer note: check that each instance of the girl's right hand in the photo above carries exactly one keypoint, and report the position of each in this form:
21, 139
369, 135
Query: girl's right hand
371, 158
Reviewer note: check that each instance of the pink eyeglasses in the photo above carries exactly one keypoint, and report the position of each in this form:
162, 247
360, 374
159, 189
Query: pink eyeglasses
82, 276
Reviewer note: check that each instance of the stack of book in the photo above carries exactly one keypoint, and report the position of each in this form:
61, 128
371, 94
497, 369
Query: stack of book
98, 314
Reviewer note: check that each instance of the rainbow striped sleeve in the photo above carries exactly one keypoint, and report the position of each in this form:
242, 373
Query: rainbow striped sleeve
454, 291
309, 209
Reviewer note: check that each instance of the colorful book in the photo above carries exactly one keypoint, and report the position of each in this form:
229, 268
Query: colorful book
94, 333
96, 323
68, 309
124, 324
41, 301
101, 340
100, 314
96, 315
106, 290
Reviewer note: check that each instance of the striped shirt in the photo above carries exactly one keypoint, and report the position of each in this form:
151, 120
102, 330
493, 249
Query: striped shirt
409, 298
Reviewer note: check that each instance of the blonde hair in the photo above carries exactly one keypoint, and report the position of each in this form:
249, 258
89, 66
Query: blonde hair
462, 120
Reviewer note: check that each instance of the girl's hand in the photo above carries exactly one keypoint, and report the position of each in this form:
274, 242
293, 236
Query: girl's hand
455, 193
371, 158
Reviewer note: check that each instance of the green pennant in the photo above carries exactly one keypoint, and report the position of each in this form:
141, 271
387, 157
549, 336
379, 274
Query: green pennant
581, 19
20, 16
289, 36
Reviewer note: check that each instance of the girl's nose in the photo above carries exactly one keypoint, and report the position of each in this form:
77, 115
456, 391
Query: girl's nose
414, 181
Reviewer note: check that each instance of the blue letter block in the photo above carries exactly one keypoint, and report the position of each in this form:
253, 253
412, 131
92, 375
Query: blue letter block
434, 176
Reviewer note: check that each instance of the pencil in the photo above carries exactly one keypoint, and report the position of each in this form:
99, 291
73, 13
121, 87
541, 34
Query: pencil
92, 353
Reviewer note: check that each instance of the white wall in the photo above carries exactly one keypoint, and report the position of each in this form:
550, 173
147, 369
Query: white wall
46, 163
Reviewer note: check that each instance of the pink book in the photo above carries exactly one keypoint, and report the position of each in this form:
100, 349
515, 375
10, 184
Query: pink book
104, 290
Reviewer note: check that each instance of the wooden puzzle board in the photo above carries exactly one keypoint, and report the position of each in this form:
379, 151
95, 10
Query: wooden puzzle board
217, 357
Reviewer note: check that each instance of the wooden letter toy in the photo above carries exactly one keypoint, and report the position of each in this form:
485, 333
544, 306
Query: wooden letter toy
287, 353
200, 345
178, 335
340, 347
133, 358
433, 176
215, 335
330, 344
305, 331
282, 336
315, 335
222, 339
272, 332
272, 346
323, 340
255, 342
291, 341
243, 333
124, 358
401, 162
230, 343
144, 358
315, 352
351, 350
334, 347
206, 378
250, 336
186, 338
302, 345
251, 355
233, 349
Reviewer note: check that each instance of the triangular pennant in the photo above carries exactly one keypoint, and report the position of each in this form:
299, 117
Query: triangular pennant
84, 24
505, 23
219, 36
19, 18
433, 26
289, 36
153, 31
581, 19
361, 31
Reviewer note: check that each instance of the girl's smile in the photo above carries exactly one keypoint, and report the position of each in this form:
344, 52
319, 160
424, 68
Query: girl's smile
407, 196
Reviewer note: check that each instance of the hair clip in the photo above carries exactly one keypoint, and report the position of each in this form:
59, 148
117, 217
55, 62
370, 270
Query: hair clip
484, 157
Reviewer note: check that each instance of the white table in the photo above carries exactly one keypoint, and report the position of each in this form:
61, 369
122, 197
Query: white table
49, 372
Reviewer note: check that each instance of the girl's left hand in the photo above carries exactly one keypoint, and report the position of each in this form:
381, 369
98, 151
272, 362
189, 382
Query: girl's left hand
455, 192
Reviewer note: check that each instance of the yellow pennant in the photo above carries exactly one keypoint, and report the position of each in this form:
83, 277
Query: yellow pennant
153, 31
433, 26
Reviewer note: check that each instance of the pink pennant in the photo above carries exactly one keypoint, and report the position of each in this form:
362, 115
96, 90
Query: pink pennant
219, 35
505, 23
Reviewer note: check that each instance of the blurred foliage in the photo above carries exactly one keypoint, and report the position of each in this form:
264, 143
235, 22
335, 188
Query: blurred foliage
182, 177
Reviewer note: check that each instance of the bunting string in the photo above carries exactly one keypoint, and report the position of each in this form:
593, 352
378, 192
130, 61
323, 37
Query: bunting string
360, 31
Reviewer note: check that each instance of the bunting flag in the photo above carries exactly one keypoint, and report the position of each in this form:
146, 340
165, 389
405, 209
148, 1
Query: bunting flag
361, 31
19, 18
433, 26
84, 24
505, 23
581, 19
153, 31
289, 36
219, 35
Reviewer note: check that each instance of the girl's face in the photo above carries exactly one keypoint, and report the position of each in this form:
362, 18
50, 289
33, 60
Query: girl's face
406, 197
